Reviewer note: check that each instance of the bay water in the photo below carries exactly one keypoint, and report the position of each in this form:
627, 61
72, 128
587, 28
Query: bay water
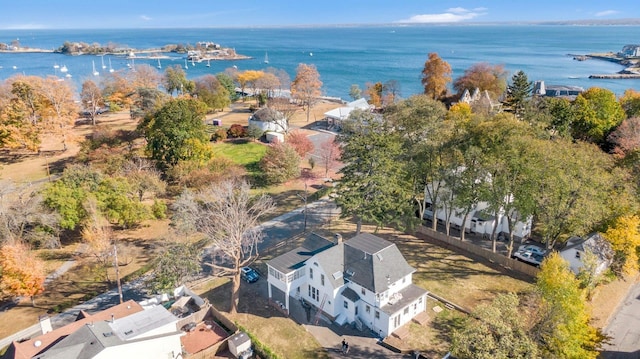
346, 55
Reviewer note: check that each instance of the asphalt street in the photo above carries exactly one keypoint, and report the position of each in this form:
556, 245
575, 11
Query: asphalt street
624, 328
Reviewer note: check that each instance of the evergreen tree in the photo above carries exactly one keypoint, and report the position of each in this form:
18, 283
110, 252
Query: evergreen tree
518, 92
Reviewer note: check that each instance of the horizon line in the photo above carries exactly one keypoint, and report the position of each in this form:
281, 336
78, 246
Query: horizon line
583, 22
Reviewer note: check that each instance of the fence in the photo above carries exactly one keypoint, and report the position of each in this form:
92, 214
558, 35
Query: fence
496, 258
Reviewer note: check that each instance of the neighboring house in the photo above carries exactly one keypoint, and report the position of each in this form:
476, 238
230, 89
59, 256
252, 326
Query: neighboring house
481, 221
576, 247
480, 98
364, 280
130, 330
630, 51
568, 92
336, 116
268, 119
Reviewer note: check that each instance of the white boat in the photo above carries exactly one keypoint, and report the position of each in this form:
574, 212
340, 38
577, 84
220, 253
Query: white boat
68, 75
110, 68
208, 63
266, 58
15, 67
95, 73
311, 54
186, 66
235, 67
103, 65
56, 66
159, 64
64, 68
193, 63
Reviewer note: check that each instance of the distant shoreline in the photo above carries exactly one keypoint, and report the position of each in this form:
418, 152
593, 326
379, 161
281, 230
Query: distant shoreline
27, 50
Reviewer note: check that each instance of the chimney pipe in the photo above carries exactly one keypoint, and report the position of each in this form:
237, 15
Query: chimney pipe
338, 238
113, 318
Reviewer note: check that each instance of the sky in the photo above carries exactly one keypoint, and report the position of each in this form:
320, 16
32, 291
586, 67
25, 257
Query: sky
93, 14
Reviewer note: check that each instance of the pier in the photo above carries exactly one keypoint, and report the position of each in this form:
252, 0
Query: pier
615, 76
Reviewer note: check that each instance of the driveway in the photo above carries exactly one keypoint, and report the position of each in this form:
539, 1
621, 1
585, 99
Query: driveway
624, 328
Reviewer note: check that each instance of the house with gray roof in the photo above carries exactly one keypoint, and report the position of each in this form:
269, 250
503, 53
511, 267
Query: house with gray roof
576, 249
364, 280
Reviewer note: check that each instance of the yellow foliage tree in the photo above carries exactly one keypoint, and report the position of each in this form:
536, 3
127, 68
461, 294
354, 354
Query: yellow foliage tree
625, 240
436, 75
307, 86
249, 79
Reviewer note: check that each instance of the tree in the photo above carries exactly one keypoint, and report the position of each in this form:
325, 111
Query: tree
483, 77
280, 163
21, 273
373, 186
563, 328
176, 263
210, 91
329, 154
597, 113
306, 86
268, 84
630, 102
390, 92
227, 82
249, 79
518, 92
92, 99
175, 80
146, 101
96, 233
300, 143
436, 75
374, 92
64, 111
495, 330
176, 132
624, 236
228, 216
626, 137
355, 92
425, 132
25, 219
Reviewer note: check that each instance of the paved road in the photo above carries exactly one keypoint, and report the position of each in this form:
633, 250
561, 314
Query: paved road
624, 328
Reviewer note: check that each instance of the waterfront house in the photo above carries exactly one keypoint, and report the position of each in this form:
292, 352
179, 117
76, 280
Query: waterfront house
568, 92
336, 116
364, 281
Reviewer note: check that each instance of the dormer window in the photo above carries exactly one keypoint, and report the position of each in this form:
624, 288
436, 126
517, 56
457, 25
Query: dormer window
577, 254
363, 291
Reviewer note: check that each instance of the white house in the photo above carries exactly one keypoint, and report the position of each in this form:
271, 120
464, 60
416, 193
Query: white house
268, 119
364, 280
576, 247
337, 115
123, 331
481, 221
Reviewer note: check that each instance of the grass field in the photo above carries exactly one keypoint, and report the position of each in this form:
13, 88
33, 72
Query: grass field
242, 152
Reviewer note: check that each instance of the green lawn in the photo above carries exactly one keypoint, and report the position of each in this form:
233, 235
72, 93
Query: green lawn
243, 152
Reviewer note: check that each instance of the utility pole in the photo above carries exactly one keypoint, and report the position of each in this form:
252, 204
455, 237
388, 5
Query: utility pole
115, 260
305, 206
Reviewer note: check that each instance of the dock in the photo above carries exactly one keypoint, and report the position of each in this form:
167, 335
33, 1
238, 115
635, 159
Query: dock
615, 76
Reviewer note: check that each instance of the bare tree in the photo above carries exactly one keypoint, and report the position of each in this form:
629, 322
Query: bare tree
228, 216
329, 155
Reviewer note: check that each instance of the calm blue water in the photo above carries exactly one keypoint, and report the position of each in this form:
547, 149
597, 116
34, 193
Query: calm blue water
355, 55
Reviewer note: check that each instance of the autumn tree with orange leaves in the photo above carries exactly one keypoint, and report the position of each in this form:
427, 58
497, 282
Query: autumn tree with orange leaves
21, 273
436, 75
483, 76
306, 87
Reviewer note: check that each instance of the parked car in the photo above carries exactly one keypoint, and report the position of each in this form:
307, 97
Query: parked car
249, 274
530, 248
529, 257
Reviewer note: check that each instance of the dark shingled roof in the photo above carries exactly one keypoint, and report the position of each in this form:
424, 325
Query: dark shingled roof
267, 114
373, 262
295, 259
350, 294
331, 262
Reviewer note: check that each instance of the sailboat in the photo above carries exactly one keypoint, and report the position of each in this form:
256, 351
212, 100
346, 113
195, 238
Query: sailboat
193, 63
95, 73
159, 64
103, 65
185, 64
208, 62
266, 58
64, 68
110, 68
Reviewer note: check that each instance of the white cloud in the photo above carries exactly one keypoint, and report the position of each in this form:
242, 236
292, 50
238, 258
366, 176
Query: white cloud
455, 14
145, 17
607, 13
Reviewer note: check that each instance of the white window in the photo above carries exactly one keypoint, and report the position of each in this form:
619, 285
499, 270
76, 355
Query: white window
322, 279
346, 304
377, 314
367, 309
311, 273
363, 291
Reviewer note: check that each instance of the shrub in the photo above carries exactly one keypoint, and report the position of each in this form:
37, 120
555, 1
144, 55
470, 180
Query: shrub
254, 132
159, 209
219, 134
237, 131
280, 163
300, 143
